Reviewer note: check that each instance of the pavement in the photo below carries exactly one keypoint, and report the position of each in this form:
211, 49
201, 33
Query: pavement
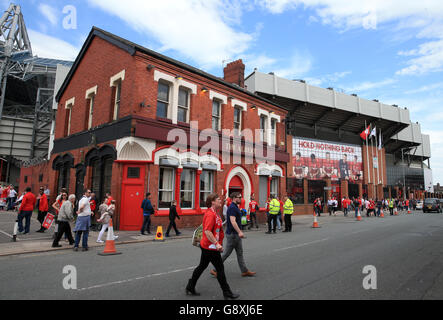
42, 242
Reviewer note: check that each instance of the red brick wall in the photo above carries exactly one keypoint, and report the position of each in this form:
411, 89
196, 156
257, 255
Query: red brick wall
32, 175
102, 61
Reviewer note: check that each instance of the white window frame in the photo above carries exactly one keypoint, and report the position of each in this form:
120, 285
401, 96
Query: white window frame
274, 186
270, 138
176, 83
90, 95
273, 131
263, 131
219, 116
168, 103
69, 105
240, 110
192, 191
188, 102
172, 191
210, 191
117, 82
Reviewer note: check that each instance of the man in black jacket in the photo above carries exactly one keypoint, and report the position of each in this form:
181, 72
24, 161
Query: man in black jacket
172, 215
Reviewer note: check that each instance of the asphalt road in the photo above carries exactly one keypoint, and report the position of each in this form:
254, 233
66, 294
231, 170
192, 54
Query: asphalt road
325, 263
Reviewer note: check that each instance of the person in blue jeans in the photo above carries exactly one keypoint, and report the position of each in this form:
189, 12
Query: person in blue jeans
148, 209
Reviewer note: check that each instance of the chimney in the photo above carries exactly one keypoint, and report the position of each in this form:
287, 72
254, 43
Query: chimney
235, 73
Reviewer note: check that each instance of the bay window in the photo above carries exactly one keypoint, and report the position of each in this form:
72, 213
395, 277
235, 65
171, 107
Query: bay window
187, 184
166, 187
206, 186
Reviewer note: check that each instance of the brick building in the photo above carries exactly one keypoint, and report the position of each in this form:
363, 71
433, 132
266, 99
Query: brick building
118, 105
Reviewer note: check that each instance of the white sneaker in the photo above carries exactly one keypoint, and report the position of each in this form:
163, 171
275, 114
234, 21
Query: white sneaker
100, 241
115, 237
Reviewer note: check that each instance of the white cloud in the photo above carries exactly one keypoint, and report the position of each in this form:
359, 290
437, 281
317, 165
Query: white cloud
200, 30
46, 46
298, 65
429, 59
368, 85
327, 79
423, 19
426, 88
49, 12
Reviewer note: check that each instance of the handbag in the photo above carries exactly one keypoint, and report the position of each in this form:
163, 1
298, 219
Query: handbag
197, 236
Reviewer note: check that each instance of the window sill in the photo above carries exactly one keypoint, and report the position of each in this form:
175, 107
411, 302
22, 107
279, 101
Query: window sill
166, 120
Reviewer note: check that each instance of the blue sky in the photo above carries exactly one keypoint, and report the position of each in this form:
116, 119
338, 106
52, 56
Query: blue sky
386, 50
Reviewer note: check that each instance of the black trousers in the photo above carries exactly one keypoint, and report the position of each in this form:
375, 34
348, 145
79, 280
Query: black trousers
214, 257
63, 228
172, 225
288, 222
253, 219
41, 218
272, 221
146, 224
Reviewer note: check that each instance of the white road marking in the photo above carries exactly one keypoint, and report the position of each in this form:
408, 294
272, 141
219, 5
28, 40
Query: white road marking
134, 279
9, 235
301, 245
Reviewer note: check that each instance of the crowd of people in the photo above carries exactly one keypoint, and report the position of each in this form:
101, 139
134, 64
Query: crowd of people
364, 205
83, 214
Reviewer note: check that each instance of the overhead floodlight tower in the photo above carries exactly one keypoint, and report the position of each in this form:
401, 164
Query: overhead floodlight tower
15, 48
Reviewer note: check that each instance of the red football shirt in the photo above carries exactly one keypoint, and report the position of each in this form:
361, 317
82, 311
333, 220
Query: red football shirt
213, 223
253, 206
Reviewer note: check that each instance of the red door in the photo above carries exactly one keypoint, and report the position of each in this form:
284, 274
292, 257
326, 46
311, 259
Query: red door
133, 189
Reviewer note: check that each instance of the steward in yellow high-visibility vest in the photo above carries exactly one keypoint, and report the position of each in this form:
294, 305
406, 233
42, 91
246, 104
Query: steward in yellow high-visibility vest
274, 211
288, 210
391, 207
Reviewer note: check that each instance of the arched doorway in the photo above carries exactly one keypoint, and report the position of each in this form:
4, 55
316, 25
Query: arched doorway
238, 180
236, 185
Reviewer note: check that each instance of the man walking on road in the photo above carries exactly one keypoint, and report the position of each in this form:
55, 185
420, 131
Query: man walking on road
234, 236
172, 216
148, 209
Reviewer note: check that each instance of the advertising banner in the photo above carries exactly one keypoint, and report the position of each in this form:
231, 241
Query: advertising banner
318, 160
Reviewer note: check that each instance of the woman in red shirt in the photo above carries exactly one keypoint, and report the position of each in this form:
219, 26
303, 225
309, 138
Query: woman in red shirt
211, 247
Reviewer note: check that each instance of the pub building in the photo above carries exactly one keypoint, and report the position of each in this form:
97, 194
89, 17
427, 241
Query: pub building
116, 108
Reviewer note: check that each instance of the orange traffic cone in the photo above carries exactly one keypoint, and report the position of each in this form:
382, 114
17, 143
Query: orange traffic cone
359, 216
382, 215
409, 211
395, 212
110, 242
159, 235
315, 224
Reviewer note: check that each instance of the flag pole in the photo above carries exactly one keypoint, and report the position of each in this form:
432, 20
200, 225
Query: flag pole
373, 167
367, 156
378, 160
381, 153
